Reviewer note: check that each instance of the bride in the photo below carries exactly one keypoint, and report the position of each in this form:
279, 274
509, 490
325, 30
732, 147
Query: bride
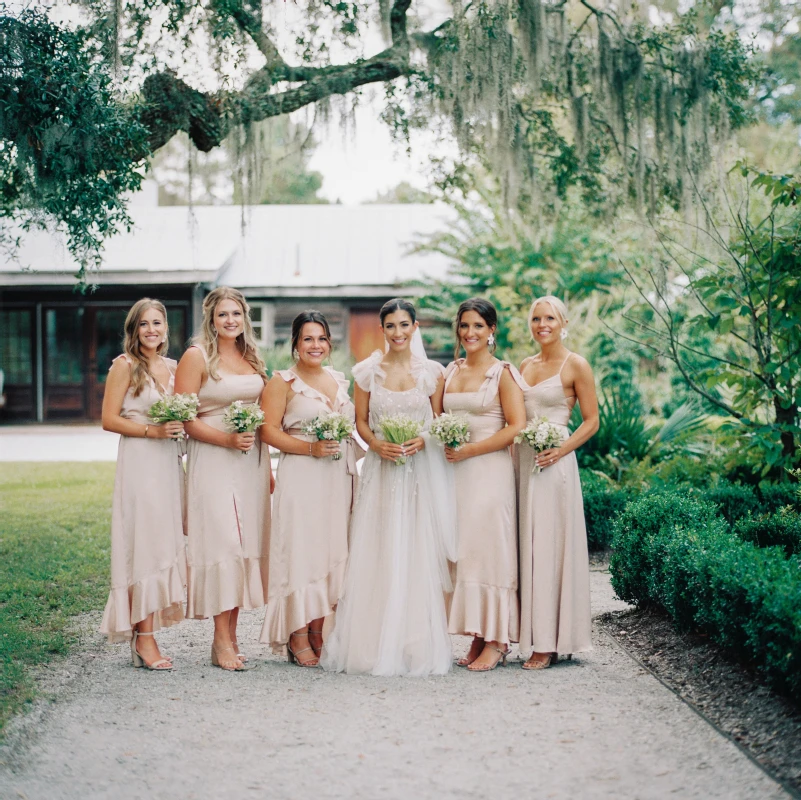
391, 617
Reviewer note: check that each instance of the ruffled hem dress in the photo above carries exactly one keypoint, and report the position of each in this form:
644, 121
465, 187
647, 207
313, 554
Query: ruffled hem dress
148, 553
484, 601
554, 564
310, 518
228, 509
391, 618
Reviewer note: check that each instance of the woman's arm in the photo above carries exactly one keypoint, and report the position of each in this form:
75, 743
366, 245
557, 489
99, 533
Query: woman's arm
274, 400
514, 410
385, 449
437, 399
117, 384
583, 383
189, 379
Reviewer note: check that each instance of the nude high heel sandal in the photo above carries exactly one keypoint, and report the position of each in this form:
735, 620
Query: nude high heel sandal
215, 660
534, 665
159, 665
292, 655
486, 667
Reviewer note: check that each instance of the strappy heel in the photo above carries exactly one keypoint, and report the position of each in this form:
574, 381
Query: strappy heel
215, 659
241, 656
159, 665
317, 650
292, 655
487, 668
535, 665
467, 661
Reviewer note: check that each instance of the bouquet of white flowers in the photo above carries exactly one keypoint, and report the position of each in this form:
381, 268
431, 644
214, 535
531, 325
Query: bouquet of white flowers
399, 428
241, 417
174, 408
331, 427
540, 435
453, 430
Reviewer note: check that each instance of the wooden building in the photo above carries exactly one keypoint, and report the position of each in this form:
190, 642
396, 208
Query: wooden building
56, 345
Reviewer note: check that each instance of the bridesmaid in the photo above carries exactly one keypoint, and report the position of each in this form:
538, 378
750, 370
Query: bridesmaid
228, 492
554, 567
309, 537
148, 565
486, 390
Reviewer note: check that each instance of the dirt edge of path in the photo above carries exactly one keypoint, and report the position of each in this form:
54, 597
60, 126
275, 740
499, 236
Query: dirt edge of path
764, 724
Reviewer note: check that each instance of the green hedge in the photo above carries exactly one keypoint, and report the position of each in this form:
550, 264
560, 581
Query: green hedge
782, 528
603, 501
737, 501
676, 552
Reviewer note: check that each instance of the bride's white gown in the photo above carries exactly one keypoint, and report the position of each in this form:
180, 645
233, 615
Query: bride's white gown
391, 617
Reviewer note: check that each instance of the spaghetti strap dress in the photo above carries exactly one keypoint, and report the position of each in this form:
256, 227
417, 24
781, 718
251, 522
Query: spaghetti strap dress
484, 601
148, 554
554, 564
228, 509
311, 516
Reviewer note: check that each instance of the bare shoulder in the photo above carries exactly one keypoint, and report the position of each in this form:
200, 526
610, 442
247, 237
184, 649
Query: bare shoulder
194, 357
578, 366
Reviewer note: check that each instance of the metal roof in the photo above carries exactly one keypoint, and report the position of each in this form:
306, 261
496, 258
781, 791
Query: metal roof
255, 247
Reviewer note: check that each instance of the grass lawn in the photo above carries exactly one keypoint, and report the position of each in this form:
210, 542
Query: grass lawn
54, 549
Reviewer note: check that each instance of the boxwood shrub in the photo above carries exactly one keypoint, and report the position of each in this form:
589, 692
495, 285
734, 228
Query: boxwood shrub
603, 501
676, 552
782, 528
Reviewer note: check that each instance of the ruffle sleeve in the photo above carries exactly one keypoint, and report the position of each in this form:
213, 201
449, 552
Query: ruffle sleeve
427, 374
366, 372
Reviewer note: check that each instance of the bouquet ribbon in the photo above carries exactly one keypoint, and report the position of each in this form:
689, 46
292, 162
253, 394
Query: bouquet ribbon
348, 453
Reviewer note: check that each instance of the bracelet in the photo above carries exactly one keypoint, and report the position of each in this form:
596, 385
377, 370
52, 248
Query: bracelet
372, 439
146, 429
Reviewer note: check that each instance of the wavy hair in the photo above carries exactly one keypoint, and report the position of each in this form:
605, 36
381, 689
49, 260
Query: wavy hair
131, 346
206, 340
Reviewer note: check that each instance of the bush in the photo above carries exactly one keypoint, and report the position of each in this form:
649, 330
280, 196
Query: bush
733, 500
782, 529
778, 495
674, 551
603, 501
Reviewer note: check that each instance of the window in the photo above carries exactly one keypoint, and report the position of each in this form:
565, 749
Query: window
258, 317
16, 337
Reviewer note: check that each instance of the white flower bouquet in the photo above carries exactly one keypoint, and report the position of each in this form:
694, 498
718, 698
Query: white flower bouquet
399, 428
331, 427
242, 417
453, 430
540, 435
174, 408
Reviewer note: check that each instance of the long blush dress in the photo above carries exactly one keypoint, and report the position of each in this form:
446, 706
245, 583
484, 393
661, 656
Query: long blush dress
484, 601
148, 554
228, 509
391, 618
311, 515
554, 565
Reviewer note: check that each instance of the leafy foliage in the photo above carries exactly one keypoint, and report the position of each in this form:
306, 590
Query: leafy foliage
782, 529
69, 151
731, 321
673, 551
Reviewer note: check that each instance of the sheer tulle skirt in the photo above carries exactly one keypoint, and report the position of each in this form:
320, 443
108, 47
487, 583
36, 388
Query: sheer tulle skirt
391, 618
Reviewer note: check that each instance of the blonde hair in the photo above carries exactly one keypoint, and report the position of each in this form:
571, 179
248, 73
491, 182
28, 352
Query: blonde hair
131, 346
206, 340
559, 308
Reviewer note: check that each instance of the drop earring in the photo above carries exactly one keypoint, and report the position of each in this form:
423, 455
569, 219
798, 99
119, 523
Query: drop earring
563, 333
295, 355
491, 340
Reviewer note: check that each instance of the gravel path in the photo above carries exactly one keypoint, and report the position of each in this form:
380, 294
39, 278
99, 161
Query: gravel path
597, 727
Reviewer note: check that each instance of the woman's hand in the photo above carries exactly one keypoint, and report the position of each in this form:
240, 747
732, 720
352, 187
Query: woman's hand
547, 458
169, 430
385, 449
324, 448
454, 456
241, 441
413, 446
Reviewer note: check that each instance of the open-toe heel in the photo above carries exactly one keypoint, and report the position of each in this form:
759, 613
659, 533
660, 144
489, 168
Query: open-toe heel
215, 659
317, 650
159, 665
535, 665
292, 655
489, 667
